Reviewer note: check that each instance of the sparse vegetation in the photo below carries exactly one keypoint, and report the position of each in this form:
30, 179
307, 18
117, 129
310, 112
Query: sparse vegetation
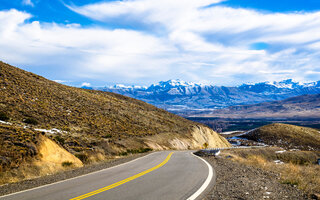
287, 136
134, 151
3, 116
66, 164
17, 146
107, 136
88, 116
83, 157
299, 167
31, 121
59, 139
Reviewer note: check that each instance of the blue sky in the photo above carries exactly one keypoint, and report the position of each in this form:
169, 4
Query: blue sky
145, 41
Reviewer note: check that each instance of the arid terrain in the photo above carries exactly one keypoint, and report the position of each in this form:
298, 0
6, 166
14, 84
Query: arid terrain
285, 167
47, 127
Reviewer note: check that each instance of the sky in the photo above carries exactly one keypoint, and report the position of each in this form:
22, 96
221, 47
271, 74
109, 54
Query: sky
220, 42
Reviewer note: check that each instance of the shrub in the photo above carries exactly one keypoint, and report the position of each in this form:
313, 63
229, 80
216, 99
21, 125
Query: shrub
66, 128
83, 157
3, 116
59, 139
134, 151
123, 153
31, 121
66, 164
143, 150
107, 136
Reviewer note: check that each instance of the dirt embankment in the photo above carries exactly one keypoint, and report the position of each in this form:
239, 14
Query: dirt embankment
48, 158
54, 158
198, 138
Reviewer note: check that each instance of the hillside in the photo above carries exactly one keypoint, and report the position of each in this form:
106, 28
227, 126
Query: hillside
305, 106
26, 153
287, 136
92, 125
184, 97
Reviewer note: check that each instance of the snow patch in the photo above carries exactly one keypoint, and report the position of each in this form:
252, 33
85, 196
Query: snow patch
229, 132
278, 162
280, 151
3, 122
52, 131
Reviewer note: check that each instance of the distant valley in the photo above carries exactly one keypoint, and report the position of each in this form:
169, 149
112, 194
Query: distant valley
305, 107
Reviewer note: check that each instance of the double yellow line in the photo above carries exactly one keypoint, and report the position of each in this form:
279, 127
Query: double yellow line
123, 181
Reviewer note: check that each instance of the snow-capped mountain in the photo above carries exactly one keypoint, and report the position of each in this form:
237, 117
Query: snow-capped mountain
176, 95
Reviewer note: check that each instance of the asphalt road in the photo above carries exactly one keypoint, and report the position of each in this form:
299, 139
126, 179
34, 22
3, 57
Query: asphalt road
160, 175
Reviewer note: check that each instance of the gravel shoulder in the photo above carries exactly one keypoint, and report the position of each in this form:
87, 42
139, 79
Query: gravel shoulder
238, 181
32, 183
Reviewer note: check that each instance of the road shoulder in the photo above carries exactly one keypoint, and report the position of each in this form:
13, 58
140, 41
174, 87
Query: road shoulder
237, 181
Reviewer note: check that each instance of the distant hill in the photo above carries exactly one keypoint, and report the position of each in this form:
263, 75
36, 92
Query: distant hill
92, 125
287, 136
300, 107
182, 97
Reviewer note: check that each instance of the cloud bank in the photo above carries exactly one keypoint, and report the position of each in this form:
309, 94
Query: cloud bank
191, 40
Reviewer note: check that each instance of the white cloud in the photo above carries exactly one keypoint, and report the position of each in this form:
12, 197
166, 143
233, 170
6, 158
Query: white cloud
85, 84
188, 40
27, 2
61, 81
222, 36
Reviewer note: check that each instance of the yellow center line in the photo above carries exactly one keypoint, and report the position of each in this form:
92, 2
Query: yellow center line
123, 181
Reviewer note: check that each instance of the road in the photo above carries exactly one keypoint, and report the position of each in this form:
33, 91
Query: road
160, 175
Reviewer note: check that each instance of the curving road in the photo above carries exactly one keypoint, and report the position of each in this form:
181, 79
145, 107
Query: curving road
160, 175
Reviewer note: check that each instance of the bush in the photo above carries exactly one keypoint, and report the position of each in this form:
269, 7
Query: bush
3, 116
31, 121
107, 136
66, 164
134, 151
59, 139
83, 157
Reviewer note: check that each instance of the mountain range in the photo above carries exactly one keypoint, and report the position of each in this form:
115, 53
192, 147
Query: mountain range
179, 96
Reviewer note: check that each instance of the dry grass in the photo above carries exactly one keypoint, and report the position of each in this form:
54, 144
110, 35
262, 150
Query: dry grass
95, 121
17, 146
287, 136
304, 174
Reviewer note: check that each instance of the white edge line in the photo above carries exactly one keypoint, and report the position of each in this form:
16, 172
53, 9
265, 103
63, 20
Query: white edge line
42, 186
206, 183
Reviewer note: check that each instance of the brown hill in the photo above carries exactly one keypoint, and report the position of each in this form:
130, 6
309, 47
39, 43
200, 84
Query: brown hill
287, 136
305, 106
92, 125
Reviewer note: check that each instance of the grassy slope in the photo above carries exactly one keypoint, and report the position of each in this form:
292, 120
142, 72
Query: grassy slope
26, 95
17, 146
95, 121
288, 136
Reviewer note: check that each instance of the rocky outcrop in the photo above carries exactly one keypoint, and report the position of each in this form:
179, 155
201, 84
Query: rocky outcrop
203, 135
198, 138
